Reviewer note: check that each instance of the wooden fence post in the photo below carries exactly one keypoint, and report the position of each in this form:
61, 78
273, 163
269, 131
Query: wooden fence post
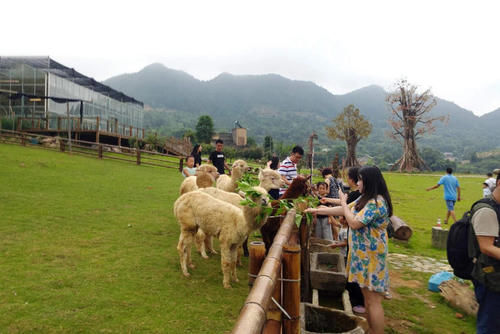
98, 120
273, 315
99, 151
62, 145
257, 252
181, 164
291, 288
138, 156
23, 140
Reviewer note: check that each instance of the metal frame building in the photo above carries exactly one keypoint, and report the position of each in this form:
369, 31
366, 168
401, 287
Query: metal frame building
40, 94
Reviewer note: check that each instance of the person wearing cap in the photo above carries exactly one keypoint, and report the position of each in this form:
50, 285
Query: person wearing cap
491, 181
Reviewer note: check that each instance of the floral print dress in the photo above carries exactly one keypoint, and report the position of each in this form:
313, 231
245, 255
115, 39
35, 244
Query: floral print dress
367, 258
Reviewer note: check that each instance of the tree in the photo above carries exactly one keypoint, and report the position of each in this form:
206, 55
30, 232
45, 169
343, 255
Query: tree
268, 146
251, 142
410, 120
351, 127
204, 129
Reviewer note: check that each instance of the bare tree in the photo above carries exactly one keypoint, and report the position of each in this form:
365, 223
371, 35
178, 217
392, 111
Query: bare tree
410, 120
351, 127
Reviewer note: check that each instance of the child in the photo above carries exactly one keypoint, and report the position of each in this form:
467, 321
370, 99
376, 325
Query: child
323, 230
486, 190
189, 170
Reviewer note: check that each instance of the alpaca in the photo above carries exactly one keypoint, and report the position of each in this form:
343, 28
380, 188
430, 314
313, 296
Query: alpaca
230, 224
205, 177
270, 179
299, 187
203, 241
227, 183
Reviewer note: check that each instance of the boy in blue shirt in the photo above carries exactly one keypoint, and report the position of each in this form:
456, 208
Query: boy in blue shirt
451, 193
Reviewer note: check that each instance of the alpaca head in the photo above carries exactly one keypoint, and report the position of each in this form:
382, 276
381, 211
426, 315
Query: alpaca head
257, 207
270, 179
299, 187
239, 168
206, 176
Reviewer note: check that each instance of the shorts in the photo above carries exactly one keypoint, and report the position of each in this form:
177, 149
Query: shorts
450, 205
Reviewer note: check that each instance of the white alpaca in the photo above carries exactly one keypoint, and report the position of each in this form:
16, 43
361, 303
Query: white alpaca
232, 225
227, 183
204, 241
270, 179
205, 177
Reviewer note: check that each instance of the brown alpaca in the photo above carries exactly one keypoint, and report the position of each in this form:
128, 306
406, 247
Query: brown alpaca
299, 187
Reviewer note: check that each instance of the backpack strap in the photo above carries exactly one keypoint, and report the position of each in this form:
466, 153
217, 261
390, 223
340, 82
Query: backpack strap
473, 244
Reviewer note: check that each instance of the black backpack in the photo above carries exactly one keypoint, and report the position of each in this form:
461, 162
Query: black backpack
461, 246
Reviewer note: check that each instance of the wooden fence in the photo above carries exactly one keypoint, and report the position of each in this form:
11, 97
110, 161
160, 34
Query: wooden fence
258, 314
92, 149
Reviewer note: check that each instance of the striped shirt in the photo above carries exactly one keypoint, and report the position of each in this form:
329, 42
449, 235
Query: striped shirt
289, 170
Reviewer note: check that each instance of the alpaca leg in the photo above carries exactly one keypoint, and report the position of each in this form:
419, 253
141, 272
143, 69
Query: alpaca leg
234, 255
182, 249
200, 243
239, 251
245, 248
209, 244
226, 266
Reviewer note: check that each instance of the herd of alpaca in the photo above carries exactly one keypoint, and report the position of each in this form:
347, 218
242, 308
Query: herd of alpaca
203, 212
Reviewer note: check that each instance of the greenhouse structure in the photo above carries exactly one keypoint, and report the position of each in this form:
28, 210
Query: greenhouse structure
40, 95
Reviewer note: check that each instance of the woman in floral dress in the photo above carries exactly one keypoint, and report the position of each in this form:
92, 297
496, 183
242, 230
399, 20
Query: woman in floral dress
368, 218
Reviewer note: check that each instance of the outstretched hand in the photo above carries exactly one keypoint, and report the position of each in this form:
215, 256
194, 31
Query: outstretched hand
342, 197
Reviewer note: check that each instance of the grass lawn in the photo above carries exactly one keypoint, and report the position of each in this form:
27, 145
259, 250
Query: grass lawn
90, 246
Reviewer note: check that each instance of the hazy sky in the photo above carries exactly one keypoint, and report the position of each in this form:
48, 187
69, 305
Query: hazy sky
451, 47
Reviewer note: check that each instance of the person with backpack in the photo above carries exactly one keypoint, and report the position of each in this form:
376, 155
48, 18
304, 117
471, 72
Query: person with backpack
473, 251
451, 190
486, 270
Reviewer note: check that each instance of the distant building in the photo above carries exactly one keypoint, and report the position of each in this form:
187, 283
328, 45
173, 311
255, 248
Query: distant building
38, 91
237, 137
365, 159
449, 156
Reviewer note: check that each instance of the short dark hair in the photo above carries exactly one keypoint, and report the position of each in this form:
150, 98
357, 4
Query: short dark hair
449, 170
353, 174
321, 183
219, 141
326, 171
489, 174
275, 161
298, 149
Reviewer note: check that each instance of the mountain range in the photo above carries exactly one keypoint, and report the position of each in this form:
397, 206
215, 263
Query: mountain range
289, 110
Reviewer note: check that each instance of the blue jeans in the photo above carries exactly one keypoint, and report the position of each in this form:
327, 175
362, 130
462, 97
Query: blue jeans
488, 315
323, 228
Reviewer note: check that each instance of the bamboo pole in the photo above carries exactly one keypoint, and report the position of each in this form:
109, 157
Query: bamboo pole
304, 231
273, 323
291, 288
257, 254
253, 314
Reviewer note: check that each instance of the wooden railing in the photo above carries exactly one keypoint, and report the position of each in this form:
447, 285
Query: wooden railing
253, 317
61, 123
97, 150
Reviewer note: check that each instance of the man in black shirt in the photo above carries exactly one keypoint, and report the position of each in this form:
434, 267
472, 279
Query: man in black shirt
217, 157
